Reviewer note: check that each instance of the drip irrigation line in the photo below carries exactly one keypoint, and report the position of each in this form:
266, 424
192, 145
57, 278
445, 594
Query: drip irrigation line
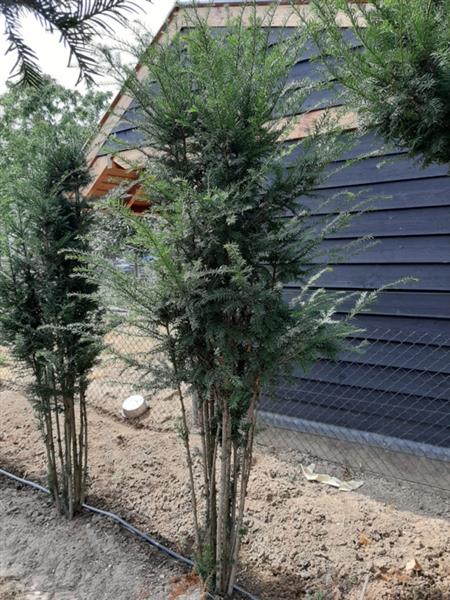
136, 532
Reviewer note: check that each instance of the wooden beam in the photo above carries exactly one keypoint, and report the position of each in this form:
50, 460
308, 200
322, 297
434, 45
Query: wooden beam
105, 187
122, 173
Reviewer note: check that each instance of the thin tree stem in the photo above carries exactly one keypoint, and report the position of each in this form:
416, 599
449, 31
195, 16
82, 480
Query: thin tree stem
245, 476
185, 435
190, 465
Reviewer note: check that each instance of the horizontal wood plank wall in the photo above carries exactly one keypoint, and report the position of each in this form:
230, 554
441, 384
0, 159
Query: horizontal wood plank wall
400, 385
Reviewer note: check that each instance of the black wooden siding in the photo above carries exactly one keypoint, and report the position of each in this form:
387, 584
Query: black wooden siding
398, 387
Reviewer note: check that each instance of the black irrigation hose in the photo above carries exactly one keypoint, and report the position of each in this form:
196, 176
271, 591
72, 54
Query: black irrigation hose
140, 534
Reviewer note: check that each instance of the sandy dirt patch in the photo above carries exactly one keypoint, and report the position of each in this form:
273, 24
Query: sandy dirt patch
303, 541
45, 557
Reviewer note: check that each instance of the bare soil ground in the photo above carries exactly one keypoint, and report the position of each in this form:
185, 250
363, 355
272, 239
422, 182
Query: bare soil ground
304, 541
45, 557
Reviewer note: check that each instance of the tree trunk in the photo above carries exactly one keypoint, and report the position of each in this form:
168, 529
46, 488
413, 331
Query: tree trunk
52, 471
190, 465
196, 418
83, 447
246, 465
223, 518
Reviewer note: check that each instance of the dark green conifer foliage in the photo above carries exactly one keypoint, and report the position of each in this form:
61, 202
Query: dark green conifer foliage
228, 226
399, 81
49, 316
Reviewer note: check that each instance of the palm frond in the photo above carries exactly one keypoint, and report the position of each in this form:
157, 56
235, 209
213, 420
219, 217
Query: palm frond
26, 67
77, 22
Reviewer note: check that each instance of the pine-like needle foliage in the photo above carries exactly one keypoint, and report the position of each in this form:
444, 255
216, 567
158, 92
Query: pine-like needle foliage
77, 22
49, 315
398, 77
29, 114
228, 226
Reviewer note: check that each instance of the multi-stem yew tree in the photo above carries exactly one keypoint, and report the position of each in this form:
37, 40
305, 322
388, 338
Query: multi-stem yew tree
228, 225
49, 314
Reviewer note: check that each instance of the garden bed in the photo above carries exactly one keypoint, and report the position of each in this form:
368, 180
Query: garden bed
45, 557
303, 540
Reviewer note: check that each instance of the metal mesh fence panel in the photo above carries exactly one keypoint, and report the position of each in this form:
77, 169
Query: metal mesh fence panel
385, 409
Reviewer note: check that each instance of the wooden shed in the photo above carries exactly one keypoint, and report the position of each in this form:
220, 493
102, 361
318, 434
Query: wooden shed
400, 386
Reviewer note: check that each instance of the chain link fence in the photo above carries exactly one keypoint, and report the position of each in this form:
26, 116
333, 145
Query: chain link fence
385, 409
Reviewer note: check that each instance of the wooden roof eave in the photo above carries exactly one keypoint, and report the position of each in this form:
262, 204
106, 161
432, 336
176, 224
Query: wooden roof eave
109, 175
